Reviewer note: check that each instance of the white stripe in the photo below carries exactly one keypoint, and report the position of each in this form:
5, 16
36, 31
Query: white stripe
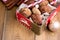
35, 3
53, 2
53, 15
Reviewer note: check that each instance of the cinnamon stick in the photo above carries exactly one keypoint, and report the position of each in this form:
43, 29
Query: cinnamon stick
20, 2
10, 3
9, 7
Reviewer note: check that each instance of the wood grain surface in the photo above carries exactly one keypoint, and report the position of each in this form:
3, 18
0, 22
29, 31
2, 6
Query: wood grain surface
11, 29
2, 14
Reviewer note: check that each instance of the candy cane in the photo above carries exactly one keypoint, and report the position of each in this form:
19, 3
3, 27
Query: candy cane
25, 5
34, 3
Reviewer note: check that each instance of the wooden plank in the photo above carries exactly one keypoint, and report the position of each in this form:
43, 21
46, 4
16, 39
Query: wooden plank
46, 35
2, 14
42, 35
13, 30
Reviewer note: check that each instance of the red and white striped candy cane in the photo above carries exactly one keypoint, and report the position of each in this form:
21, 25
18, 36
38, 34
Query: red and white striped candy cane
34, 3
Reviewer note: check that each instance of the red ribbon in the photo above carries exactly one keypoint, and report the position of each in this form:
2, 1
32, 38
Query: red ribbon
25, 21
52, 15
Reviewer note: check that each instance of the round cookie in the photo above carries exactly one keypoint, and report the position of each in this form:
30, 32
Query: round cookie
26, 12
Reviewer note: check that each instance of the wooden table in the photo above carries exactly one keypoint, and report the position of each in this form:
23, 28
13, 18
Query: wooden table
11, 29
